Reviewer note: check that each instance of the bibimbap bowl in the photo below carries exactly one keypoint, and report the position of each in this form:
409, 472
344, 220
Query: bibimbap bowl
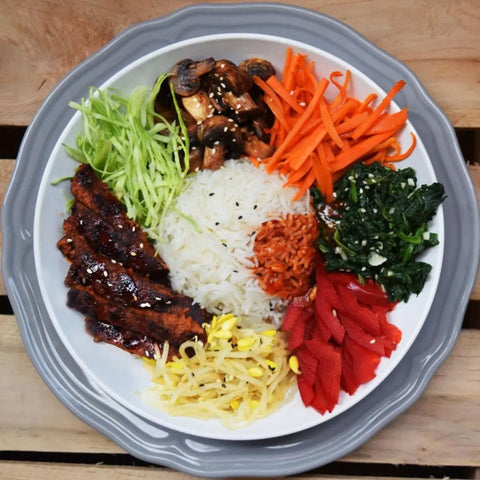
120, 375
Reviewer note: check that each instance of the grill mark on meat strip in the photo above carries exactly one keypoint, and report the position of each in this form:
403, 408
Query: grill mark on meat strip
104, 332
118, 245
106, 225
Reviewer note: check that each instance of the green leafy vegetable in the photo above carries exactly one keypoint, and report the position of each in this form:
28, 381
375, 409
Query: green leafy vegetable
139, 154
378, 225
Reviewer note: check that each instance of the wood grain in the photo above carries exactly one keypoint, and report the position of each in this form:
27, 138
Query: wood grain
42, 40
49, 471
442, 428
8, 165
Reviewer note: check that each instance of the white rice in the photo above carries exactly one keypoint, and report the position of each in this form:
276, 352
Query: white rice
209, 235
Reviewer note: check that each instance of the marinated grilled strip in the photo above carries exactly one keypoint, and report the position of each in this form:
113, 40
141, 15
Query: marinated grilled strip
121, 245
100, 207
174, 325
104, 332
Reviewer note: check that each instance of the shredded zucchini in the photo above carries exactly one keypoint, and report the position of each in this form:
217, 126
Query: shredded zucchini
139, 154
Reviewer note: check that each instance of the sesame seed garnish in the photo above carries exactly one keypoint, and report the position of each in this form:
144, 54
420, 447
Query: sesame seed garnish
237, 204
217, 223
113, 261
141, 245
211, 194
69, 240
133, 254
145, 305
105, 273
214, 151
240, 217
89, 270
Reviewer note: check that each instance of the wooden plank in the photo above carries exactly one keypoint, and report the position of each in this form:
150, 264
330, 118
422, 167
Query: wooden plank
475, 173
42, 40
7, 169
58, 471
442, 428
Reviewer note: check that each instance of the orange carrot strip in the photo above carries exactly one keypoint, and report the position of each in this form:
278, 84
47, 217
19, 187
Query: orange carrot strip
378, 157
364, 106
306, 115
322, 172
359, 131
392, 122
287, 64
282, 92
349, 124
306, 146
347, 157
305, 185
328, 122
296, 175
403, 156
342, 88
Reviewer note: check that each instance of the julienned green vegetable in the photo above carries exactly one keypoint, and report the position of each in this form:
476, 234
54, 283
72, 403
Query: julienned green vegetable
139, 154
378, 226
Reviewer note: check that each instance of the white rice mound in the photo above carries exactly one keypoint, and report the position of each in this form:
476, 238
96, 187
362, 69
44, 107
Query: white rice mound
209, 234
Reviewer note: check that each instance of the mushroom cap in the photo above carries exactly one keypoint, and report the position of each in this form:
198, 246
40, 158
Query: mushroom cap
186, 75
221, 130
258, 67
226, 76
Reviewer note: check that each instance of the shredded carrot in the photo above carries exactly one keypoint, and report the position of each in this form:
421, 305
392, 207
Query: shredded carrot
316, 140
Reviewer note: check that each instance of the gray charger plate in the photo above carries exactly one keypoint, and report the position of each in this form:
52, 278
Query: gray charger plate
283, 455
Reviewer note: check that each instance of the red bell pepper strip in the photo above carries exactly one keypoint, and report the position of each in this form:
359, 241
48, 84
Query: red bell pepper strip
339, 337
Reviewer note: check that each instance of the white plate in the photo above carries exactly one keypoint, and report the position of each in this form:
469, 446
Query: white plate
120, 374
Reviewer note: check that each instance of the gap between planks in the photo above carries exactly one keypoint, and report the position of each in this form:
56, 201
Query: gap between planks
441, 428
7, 167
56, 471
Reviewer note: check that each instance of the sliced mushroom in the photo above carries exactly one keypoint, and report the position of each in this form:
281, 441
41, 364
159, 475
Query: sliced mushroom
196, 150
258, 67
198, 105
222, 139
243, 106
228, 77
214, 158
253, 146
186, 75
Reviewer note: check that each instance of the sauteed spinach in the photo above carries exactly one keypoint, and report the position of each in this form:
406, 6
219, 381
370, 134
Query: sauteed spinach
378, 226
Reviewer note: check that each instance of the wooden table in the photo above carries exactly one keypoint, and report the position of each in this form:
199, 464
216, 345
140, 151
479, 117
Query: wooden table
41, 40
